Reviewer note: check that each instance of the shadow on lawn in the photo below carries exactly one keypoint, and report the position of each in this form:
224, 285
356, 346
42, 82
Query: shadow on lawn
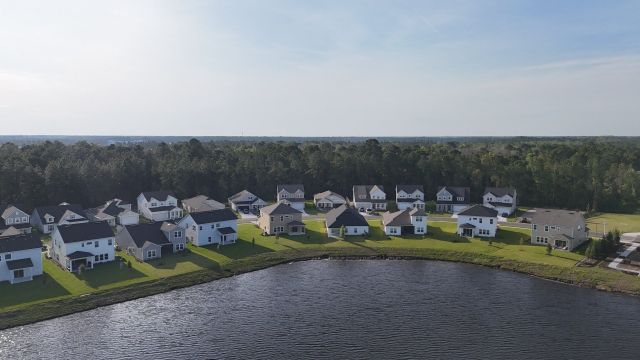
312, 237
241, 249
42, 287
170, 261
108, 273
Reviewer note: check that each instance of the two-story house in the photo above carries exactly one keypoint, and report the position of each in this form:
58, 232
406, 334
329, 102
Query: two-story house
245, 201
503, 199
478, 220
14, 221
201, 203
20, 258
211, 227
46, 218
115, 212
82, 246
292, 195
281, 218
563, 229
328, 200
152, 240
369, 197
410, 221
346, 221
452, 199
410, 196
159, 206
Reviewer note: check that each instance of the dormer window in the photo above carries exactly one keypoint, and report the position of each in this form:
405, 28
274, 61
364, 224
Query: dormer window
153, 204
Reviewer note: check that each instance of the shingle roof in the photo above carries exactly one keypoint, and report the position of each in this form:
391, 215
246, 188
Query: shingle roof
242, 197
150, 232
19, 264
161, 208
208, 217
79, 255
409, 189
290, 188
58, 210
456, 191
479, 210
363, 192
345, 216
500, 191
398, 218
417, 212
7, 210
161, 195
226, 230
86, 231
326, 194
279, 208
20, 242
202, 203
566, 218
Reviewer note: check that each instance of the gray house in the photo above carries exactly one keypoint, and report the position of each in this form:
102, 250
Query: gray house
13, 221
46, 218
563, 229
151, 241
453, 199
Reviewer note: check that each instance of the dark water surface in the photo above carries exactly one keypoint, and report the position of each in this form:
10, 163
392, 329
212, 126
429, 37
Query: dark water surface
349, 309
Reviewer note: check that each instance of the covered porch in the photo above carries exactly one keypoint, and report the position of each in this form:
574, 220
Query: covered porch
466, 230
79, 259
296, 228
21, 270
227, 235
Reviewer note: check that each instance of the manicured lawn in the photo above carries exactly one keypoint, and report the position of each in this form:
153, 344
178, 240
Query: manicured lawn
40, 289
622, 222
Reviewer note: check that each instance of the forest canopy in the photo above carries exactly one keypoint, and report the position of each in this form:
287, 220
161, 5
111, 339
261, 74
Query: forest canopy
584, 174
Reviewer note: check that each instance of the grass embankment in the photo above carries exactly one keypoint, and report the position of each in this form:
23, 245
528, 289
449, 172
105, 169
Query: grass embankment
59, 292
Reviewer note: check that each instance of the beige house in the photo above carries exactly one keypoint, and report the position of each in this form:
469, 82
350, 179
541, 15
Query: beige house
563, 229
281, 218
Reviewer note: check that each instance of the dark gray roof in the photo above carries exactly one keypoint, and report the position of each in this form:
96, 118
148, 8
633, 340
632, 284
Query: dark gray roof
500, 204
79, 255
345, 216
409, 189
20, 242
279, 208
242, 197
500, 191
161, 195
58, 210
213, 216
296, 223
161, 208
456, 191
479, 210
417, 212
226, 230
151, 232
202, 203
398, 218
290, 188
567, 218
86, 231
467, 226
19, 264
363, 192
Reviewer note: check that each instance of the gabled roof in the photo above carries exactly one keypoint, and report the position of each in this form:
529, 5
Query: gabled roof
161, 195
290, 188
456, 191
213, 216
326, 194
279, 208
417, 212
242, 197
363, 192
401, 218
479, 210
57, 211
409, 189
500, 191
19, 264
20, 242
86, 231
566, 218
345, 216
202, 203
149, 232
7, 210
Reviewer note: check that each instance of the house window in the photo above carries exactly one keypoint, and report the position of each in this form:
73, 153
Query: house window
546, 228
151, 253
101, 257
480, 220
7, 257
213, 226
9, 221
180, 246
491, 221
355, 230
24, 219
281, 218
97, 258
110, 242
200, 227
177, 234
535, 227
18, 274
97, 244
217, 225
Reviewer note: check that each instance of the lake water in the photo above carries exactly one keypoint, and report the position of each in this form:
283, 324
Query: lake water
349, 309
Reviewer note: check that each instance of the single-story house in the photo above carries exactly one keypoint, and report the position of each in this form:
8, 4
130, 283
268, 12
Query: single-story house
246, 201
346, 219
328, 200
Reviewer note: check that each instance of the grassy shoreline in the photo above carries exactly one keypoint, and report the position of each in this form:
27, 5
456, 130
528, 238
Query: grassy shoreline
110, 285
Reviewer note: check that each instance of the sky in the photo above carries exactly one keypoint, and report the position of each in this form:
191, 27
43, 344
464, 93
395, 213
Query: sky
320, 68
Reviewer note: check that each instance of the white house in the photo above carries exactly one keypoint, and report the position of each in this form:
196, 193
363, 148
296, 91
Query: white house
292, 195
328, 200
115, 212
405, 222
20, 258
14, 221
369, 197
246, 201
46, 218
452, 199
410, 196
159, 206
347, 219
211, 227
478, 220
82, 245
500, 198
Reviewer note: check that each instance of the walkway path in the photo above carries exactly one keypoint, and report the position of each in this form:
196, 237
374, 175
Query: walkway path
623, 255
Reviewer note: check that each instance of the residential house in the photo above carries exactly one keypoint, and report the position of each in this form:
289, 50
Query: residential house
346, 219
502, 199
410, 196
452, 199
20, 257
82, 245
409, 221
201, 203
151, 240
211, 227
328, 200
563, 229
245, 201
369, 197
46, 218
478, 220
292, 195
159, 206
115, 212
281, 218
14, 221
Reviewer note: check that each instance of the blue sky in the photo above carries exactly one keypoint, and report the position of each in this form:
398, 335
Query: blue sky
307, 68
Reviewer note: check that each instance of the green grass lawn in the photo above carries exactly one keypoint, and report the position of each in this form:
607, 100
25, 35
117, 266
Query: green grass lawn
622, 222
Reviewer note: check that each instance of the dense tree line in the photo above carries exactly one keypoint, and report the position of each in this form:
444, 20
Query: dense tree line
585, 174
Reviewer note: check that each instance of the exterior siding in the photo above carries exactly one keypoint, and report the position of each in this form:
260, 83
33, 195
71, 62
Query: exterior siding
489, 224
59, 249
36, 258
